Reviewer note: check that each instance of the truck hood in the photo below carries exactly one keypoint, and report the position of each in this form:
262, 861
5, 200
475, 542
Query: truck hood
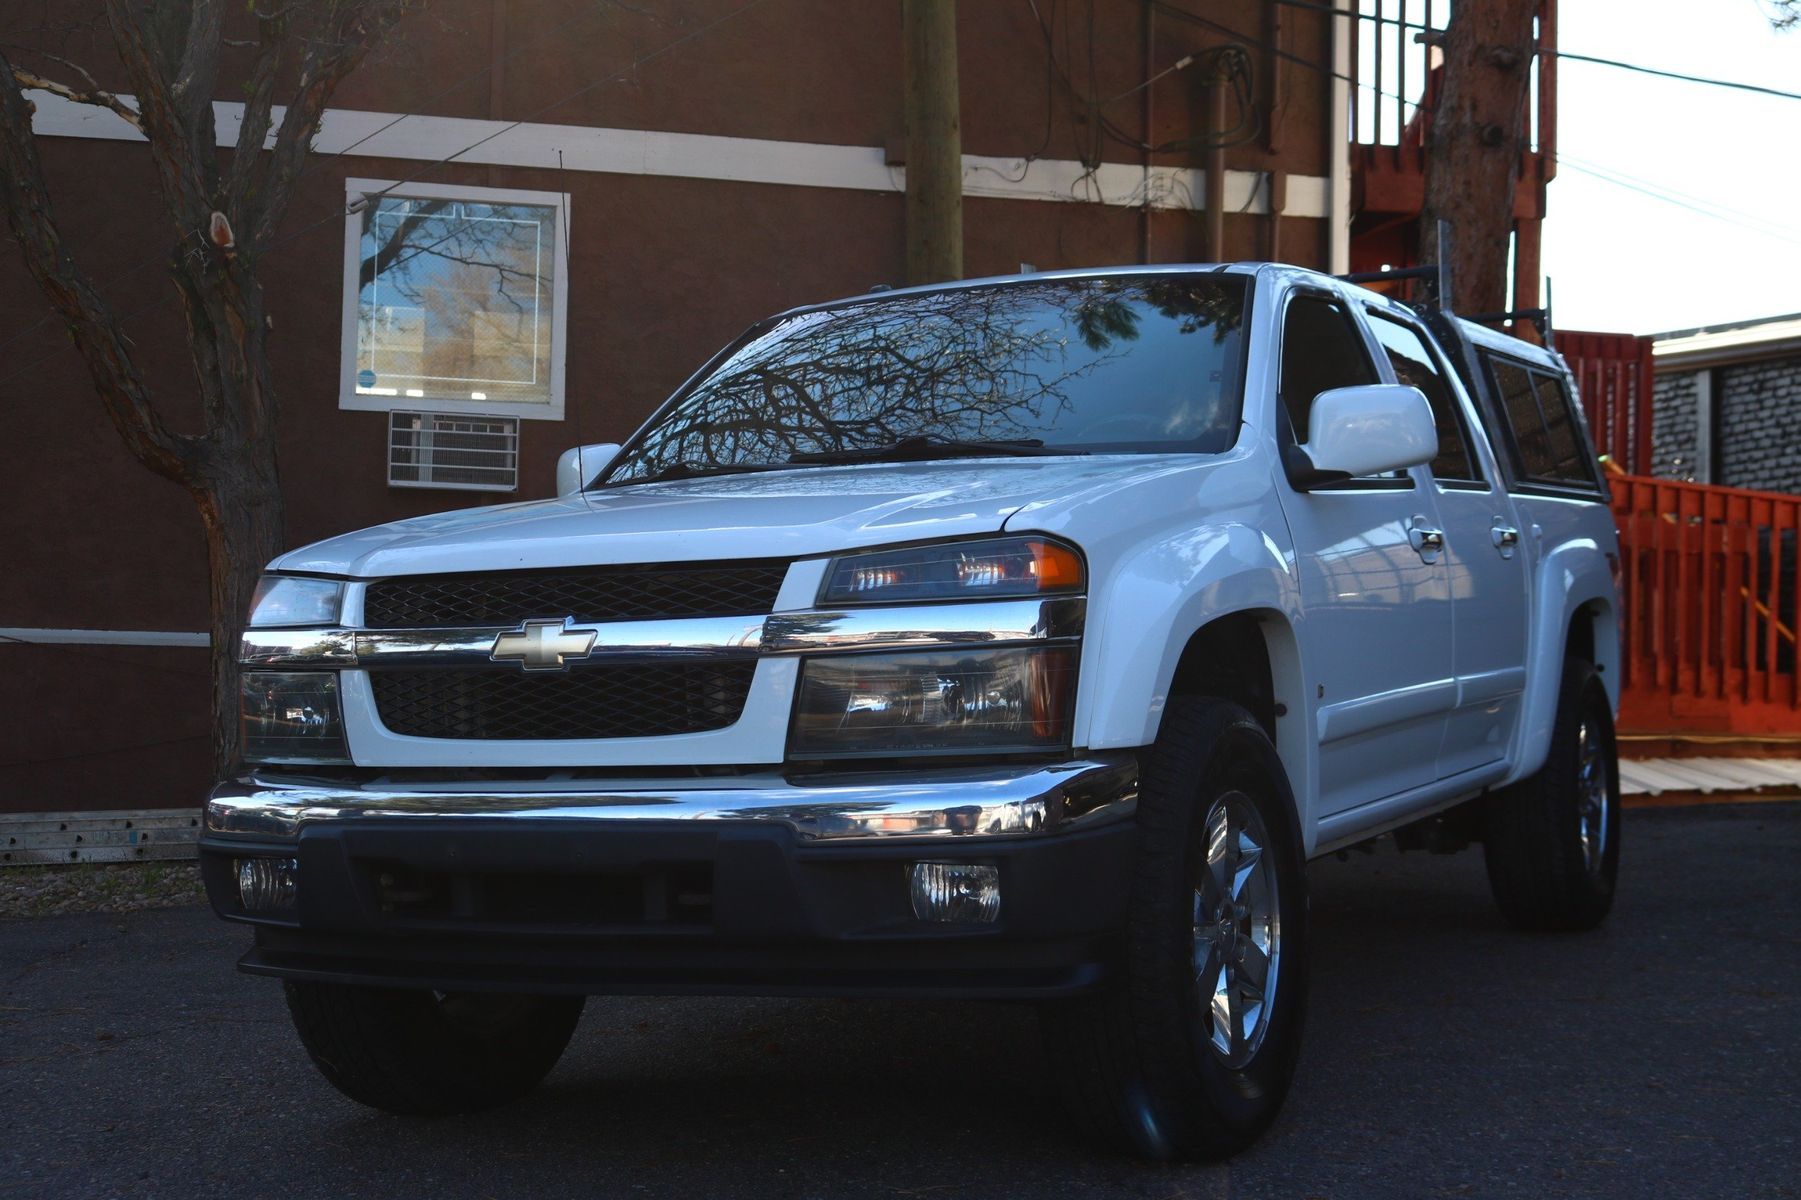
776, 514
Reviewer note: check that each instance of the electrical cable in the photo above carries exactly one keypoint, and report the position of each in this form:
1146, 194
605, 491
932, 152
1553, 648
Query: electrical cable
1231, 63
1668, 199
1749, 219
1401, 23
1594, 170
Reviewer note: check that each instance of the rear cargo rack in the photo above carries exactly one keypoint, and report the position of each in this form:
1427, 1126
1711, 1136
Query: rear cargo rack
1436, 281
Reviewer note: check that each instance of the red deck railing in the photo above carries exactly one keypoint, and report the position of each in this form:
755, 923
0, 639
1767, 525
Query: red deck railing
1710, 608
1614, 377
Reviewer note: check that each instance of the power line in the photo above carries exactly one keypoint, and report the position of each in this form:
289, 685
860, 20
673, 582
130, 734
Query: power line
1402, 23
1661, 74
1655, 194
1606, 174
1736, 214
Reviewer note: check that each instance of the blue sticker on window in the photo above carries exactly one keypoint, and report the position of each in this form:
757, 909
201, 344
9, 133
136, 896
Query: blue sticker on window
365, 378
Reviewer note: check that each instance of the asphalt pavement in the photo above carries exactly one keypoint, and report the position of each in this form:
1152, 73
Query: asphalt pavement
1446, 1055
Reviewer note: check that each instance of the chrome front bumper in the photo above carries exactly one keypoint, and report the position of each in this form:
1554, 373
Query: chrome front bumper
927, 802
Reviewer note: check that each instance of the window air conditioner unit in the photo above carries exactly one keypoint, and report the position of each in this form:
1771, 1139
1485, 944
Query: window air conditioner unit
451, 450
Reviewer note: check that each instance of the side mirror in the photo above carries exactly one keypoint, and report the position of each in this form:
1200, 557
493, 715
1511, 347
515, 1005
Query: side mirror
1355, 431
577, 468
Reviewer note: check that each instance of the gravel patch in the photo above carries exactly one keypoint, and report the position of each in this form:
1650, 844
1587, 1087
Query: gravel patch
98, 887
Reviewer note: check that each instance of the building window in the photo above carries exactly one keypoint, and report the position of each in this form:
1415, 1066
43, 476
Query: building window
455, 299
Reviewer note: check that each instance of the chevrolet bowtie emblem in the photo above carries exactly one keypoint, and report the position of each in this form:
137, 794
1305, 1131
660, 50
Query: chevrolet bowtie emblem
543, 645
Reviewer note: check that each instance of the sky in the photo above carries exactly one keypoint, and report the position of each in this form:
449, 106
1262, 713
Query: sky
1622, 261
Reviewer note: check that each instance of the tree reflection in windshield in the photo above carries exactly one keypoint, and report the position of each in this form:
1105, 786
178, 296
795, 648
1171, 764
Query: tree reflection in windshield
1134, 363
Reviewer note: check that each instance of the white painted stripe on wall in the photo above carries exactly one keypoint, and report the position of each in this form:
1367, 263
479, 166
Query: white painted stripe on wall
101, 637
706, 156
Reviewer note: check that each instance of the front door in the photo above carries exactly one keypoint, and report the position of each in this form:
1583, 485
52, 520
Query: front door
1374, 587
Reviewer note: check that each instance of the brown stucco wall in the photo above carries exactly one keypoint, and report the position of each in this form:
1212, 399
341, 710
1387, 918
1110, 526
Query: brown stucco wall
662, 272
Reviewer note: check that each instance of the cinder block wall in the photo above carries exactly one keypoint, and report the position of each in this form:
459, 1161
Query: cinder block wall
1757, 425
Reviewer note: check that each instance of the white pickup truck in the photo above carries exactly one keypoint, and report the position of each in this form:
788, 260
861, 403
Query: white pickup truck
1019, 639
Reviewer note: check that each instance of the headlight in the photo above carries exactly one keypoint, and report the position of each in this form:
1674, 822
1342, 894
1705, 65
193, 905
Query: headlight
977, 570
935, 702
289, 600
291, 717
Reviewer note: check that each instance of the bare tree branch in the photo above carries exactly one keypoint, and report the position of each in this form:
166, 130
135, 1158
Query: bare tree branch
349, 31
90, 95
98, 338
192, 90
259, 92
185, 169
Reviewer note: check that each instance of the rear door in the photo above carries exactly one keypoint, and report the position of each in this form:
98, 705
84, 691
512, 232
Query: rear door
1374, 588
1486, 564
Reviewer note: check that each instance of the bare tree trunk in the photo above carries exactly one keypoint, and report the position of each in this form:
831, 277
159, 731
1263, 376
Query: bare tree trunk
243, 531
1475, 145
222, 220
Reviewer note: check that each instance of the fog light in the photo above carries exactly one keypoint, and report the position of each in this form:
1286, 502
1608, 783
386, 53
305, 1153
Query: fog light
268, 885
967, 893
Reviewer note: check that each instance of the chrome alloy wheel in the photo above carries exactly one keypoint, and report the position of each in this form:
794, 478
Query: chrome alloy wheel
1237, 932
1591, 798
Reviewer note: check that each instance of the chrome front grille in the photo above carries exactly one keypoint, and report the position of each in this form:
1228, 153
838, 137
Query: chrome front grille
590, 595
618, 700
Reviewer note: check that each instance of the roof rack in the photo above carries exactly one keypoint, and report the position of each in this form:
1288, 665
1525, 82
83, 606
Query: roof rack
1540, 318
1436, 277
1437, 280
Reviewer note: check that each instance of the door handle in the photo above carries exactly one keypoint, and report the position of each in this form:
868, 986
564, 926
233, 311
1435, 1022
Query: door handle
1427, 542
1505, 537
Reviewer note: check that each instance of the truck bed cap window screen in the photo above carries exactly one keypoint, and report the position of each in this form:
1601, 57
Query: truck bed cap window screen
1139, 363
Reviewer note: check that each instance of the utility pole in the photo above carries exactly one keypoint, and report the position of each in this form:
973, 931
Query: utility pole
934, 142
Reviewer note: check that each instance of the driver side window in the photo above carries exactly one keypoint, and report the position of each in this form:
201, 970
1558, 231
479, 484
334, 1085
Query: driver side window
1321, 350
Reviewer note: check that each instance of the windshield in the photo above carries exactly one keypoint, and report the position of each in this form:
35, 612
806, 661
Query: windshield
1142, 363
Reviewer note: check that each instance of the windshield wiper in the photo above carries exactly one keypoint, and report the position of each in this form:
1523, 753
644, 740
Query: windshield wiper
923, 449
687, 470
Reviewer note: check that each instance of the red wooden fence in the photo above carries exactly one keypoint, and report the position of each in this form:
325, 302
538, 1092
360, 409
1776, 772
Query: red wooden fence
1708, 588
1613, 373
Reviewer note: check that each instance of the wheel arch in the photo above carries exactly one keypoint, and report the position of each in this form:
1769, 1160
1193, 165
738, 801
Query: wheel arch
1574, 612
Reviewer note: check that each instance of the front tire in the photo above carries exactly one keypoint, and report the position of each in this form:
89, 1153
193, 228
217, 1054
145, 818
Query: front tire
431, 1053
1191, 1053
1552, 841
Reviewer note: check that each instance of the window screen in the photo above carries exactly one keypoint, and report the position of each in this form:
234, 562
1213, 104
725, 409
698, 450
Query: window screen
1548, 445
1321, 350
456, 301
1414, 365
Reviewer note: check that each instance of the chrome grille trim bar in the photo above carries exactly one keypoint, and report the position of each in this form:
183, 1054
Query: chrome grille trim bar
897, 627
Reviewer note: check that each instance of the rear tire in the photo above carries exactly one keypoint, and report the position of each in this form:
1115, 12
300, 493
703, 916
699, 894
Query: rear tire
1552, 841
431, 1053
1190, 1053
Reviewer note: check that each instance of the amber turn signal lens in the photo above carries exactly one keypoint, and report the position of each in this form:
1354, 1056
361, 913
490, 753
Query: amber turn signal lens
1056, 567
